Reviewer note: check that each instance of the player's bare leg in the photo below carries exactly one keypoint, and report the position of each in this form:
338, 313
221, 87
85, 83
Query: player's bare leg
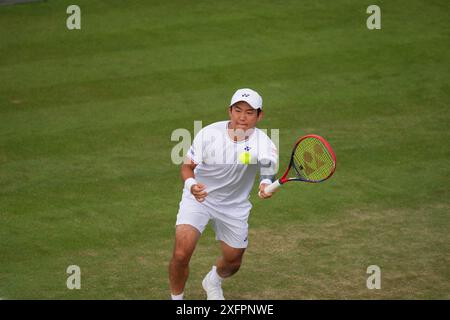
186, 237
227, 265
230, 261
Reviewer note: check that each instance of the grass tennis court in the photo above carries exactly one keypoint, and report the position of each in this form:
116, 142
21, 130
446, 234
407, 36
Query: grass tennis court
86, 117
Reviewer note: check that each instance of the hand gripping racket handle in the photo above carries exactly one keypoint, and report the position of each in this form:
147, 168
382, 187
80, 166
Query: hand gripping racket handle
271, 187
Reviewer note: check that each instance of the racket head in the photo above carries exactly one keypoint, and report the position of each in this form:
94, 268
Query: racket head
312, 160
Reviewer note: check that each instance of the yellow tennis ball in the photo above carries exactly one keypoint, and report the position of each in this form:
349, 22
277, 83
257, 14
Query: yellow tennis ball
245, 157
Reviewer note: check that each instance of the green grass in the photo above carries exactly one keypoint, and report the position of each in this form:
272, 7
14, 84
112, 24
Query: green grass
86, 118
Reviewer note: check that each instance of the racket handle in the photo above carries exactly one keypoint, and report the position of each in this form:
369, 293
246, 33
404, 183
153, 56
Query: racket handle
272, 187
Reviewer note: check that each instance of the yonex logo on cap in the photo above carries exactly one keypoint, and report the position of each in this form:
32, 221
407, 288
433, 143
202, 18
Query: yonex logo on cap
248, 95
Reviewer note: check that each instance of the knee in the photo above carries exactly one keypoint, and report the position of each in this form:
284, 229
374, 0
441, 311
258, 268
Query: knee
181, 258
234, 265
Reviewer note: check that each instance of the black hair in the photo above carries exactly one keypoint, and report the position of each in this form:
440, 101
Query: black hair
258, 111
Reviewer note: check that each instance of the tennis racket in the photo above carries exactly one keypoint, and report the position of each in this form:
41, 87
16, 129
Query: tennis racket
312, 160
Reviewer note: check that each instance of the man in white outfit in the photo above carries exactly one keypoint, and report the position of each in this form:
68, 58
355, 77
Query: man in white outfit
218, 175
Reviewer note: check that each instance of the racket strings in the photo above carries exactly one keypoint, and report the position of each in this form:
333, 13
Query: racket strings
312, 160
298, 166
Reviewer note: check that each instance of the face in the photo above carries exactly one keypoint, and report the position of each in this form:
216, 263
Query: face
243, 116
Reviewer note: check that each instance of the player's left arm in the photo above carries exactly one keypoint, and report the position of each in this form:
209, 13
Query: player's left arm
267, 165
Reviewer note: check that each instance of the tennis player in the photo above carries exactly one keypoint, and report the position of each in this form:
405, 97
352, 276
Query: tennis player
218, 174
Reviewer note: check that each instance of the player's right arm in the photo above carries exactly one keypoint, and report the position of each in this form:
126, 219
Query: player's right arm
187, 174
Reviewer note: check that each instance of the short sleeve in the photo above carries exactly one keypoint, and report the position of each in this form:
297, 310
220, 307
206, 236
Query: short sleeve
195, 152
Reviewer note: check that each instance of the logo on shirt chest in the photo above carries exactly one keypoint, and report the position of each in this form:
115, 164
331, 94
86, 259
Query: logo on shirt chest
245, 157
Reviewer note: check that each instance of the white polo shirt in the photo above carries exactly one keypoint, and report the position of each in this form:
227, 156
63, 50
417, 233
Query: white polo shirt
228, 168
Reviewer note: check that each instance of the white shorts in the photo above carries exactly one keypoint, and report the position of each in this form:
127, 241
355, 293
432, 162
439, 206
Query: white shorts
232, 231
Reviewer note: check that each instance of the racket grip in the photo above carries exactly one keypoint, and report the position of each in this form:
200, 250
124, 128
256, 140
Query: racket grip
272, 187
